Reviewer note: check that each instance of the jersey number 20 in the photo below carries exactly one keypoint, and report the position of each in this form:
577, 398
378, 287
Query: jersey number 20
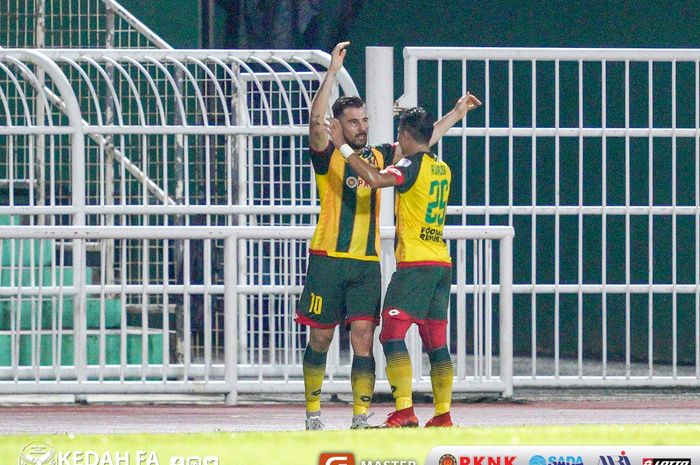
435, 213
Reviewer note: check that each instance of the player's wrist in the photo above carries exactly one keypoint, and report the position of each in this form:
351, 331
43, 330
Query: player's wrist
346, 151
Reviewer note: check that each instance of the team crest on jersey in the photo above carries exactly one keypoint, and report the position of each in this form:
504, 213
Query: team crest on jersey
404, 162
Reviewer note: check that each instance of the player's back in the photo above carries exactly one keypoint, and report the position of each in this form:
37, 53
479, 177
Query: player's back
421, 203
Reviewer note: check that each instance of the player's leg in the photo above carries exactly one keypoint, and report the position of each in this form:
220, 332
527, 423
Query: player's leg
405, 303
362, 296
319, 308
362, 374
395, 324
314, 369
433, 333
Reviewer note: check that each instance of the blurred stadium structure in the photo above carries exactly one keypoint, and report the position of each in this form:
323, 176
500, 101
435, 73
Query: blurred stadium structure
118, 133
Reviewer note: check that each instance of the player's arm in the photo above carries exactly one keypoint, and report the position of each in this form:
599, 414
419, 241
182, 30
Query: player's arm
466, 103
370, 174
318, 137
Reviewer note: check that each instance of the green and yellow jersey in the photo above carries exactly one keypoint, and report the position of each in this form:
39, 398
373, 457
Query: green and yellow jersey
423, 189
348, 224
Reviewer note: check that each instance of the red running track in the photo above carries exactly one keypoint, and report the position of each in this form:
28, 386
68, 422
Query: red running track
120, 418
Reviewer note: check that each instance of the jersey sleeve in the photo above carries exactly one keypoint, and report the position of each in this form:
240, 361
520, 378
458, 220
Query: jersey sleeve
406, 172
322, 160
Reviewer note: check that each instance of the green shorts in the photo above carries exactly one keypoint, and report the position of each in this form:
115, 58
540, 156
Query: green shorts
339, 290
422, 292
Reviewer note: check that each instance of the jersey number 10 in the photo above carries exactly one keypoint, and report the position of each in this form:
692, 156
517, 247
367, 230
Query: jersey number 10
316, 306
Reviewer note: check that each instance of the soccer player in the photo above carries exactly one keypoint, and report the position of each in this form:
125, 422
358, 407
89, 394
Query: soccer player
343, 280
419, 290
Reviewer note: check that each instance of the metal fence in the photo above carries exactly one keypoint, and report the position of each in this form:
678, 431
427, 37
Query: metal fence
592, 156
73, 24
96, 348
171, 138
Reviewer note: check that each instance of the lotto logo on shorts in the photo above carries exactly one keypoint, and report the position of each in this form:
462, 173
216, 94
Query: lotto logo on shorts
336, 458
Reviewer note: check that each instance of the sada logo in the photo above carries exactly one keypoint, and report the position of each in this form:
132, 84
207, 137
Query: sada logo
336, 458
556, 460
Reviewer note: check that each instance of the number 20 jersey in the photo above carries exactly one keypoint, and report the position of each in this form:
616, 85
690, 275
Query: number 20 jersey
423, 190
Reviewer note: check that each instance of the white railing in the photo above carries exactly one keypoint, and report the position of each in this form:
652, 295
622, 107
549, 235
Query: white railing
73, 23
112, 354
592, 155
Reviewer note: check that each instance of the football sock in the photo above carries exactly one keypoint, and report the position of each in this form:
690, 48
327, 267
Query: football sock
398, 372
362, 381
441, 376
314, 367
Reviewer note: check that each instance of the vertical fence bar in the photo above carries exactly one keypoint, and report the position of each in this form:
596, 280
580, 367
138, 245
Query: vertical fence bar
510, 143
650, 221
627, 223
231, 319
579, 265
506, 314
461, 309
557, 174
533, 222
379, 90
487, 142
674, 221
604, 222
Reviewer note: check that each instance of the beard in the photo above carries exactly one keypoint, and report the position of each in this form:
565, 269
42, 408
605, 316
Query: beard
358, 142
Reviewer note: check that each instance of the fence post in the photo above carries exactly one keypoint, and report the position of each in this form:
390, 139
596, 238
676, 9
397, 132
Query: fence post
505, 314
231, 317
72, 110
379, 93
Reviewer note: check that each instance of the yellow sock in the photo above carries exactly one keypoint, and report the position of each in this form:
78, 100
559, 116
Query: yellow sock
362, 380
399, 373
314, 367
441, 377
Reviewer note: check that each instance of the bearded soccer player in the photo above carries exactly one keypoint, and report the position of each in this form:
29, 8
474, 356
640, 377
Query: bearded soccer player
419, 290
343, 280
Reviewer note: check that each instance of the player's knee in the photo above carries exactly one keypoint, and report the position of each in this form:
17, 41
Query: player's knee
320, 339
362, 337
433, 333
395, 324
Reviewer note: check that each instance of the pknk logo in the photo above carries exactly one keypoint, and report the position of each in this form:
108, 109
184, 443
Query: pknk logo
336, 458
653, 461
487, 460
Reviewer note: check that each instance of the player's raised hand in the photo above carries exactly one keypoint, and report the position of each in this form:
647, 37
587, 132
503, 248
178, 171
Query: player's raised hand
337, 56
466, 103
335, 132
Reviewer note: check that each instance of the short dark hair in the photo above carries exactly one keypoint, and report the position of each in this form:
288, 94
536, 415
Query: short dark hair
346, 102
418, 123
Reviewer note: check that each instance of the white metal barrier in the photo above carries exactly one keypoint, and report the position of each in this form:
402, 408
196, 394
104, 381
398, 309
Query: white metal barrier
164, 133
592, 156
73, 23
98, 350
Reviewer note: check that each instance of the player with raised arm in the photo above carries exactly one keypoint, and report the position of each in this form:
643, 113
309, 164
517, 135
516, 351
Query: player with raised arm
343, 280
419, 290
